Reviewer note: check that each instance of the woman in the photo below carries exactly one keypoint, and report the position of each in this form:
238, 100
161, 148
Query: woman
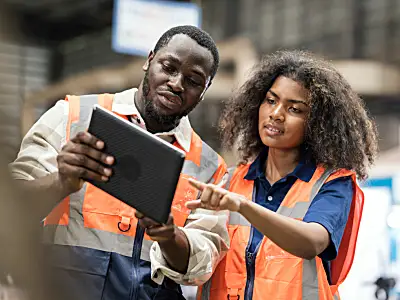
303, 135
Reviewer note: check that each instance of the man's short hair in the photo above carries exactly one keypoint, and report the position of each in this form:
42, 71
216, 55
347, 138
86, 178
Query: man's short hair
200, 36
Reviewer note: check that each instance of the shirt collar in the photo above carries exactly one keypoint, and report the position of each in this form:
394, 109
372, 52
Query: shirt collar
303, 171
124, 104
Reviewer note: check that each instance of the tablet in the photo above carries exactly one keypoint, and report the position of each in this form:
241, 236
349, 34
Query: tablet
146, 168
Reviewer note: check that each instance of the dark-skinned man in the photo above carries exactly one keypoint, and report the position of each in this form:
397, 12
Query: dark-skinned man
93, 240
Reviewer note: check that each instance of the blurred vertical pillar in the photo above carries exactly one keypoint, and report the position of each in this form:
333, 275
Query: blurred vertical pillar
358, 33
10, 35
23, 67
19, 229
9, 25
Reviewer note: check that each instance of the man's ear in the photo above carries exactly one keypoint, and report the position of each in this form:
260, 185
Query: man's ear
205, 90
148, 60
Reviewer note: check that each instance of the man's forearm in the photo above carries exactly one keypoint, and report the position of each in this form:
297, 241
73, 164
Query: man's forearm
177, 251
45, 193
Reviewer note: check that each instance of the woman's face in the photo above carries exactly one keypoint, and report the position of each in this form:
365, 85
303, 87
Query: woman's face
282, 114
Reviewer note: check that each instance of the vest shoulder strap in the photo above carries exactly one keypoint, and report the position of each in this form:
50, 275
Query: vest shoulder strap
231, 170
205, 162
80, 109
341, 265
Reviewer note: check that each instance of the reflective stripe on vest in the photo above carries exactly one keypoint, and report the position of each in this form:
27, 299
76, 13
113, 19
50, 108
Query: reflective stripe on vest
236, 218
309, 280
75, 233
336, 297
207, 167
79, 221
299, 210
230, 174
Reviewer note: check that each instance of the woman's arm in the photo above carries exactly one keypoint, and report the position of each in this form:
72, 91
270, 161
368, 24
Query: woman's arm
305, 240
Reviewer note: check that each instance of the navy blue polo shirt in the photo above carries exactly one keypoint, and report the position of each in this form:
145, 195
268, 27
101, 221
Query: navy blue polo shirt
330, 207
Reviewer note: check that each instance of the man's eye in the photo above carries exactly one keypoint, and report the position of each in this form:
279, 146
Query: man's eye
192, 81
168, 68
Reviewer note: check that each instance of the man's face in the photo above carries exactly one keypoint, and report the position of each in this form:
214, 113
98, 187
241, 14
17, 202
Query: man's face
176, 78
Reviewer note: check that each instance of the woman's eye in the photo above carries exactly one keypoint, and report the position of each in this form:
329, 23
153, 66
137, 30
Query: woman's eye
295, 110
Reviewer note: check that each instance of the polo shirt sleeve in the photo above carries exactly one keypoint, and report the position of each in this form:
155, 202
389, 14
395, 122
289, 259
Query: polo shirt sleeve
330, 208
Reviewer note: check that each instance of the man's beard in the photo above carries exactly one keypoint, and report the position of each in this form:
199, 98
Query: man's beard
152, 112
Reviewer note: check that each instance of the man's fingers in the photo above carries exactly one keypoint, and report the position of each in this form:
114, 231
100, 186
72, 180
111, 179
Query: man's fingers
197, 184
89, 151
157, 232
170, 220
139, 215
147, 222
160, 231
80, 160
89, 139
80, 172
159, 238
193, 204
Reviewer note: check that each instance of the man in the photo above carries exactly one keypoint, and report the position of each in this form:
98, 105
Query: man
92, 239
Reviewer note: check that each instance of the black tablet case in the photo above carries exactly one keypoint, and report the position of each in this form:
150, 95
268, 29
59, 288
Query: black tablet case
146, 169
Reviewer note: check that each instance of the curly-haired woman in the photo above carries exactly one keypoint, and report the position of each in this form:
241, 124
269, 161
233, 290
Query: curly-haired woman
303, 136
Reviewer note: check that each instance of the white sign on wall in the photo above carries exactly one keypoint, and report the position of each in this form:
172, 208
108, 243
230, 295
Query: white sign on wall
138, 24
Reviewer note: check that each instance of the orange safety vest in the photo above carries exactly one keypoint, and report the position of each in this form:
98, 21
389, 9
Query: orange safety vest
279, 274
93, 219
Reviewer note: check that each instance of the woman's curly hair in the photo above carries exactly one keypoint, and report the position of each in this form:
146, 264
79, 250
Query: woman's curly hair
338, 134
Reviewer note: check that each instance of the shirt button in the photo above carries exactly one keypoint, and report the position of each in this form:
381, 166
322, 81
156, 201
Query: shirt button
269, 198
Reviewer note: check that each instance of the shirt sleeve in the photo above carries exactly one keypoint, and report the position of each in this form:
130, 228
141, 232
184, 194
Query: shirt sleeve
40, 146
330, 208
208, 237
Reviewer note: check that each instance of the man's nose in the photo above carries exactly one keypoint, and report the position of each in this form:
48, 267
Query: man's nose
176, 83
